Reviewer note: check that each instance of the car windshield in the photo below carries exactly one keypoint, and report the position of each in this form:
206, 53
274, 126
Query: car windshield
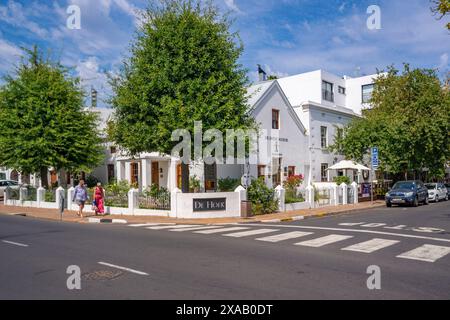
430, 186
404, 185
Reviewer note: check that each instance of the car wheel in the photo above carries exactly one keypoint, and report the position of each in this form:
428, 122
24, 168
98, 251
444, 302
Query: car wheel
416, 202
436, 199
446, 198
426, 202
388, 204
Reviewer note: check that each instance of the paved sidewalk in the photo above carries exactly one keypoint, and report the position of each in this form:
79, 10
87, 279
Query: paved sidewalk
70, 216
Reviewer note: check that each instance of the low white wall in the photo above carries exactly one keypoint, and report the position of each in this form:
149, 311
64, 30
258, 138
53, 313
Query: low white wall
297, 206
183, 206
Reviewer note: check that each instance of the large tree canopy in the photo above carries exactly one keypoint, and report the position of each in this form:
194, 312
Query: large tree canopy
42, 119
183, 68
409, 123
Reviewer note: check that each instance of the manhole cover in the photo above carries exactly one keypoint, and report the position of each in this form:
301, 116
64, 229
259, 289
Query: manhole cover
102, 275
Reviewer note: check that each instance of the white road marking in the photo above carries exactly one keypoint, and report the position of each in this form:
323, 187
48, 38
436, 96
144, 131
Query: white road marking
351, 224
427, 253
124, 268
320, 242
354, 230
15, 243
374, 225
221, 230
428, 230
285, 236
179, 226
194, 229
371, 245
399, 227
249, 233
150, 225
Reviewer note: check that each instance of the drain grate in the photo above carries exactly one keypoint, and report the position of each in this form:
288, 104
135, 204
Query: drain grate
102, 275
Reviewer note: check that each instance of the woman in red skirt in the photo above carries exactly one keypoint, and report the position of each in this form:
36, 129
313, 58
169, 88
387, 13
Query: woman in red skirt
99, 198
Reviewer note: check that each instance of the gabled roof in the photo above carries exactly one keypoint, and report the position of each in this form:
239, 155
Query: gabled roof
259, 91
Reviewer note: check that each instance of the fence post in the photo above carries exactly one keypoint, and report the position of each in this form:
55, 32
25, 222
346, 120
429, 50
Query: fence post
344, 193
310, 196
173, 202
132, 200
40, 196
70, 193
355, 192
59, 197
22, 195
6, 194
281, 196
242, 197
335, 195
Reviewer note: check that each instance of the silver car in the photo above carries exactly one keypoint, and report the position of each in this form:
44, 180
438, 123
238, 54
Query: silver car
437, 192
7, 183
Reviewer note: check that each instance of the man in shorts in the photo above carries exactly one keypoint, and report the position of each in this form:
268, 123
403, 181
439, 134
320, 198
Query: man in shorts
80, 196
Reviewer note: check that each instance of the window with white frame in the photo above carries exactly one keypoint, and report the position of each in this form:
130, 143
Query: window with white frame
324, 172
367, 91
341, 90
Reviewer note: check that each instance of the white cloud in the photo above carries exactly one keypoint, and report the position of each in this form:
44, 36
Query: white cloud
91, 75
232, 5
10, 55
19, 16
443, 62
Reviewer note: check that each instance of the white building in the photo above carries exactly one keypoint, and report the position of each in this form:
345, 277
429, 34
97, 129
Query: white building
299, 116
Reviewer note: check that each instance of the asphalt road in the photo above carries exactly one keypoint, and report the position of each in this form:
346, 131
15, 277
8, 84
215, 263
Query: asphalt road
135, 262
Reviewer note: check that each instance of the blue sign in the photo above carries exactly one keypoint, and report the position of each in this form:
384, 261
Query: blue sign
375, 159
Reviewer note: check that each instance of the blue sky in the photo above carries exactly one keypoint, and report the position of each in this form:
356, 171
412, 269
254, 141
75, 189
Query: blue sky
285, 36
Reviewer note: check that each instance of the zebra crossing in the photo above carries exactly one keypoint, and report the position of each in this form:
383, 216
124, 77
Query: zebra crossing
424, 253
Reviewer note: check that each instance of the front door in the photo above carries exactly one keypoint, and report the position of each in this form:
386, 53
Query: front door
155, 173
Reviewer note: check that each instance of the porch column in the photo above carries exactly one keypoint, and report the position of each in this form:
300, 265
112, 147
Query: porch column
128, 171
173, 183
120, 171
145, 173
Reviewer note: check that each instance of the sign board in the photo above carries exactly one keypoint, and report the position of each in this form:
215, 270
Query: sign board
218, 204
366, 190
375, 159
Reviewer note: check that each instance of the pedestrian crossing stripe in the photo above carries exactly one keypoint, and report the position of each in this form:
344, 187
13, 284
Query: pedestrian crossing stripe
150, 225
193, 229
371, 245
323, 241
285, 236
219, 230
178, 226
249, 233
427, 253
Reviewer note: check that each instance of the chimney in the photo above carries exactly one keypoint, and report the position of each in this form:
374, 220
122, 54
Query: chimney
261, 74
93, 98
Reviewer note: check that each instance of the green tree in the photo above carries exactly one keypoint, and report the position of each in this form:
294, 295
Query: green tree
409, 123
42, 119
183, 67
441, 8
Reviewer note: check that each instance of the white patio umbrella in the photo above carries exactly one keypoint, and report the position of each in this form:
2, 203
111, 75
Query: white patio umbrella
349, 165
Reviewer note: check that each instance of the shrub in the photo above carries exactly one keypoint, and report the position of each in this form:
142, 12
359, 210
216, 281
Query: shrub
194, 184
262, 198
228, 184
341, 179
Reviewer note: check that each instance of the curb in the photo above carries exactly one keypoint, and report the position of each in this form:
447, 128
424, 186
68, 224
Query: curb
106, 220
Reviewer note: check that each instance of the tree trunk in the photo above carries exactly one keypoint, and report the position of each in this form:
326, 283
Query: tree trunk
184, 178
62, 178
44, 177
